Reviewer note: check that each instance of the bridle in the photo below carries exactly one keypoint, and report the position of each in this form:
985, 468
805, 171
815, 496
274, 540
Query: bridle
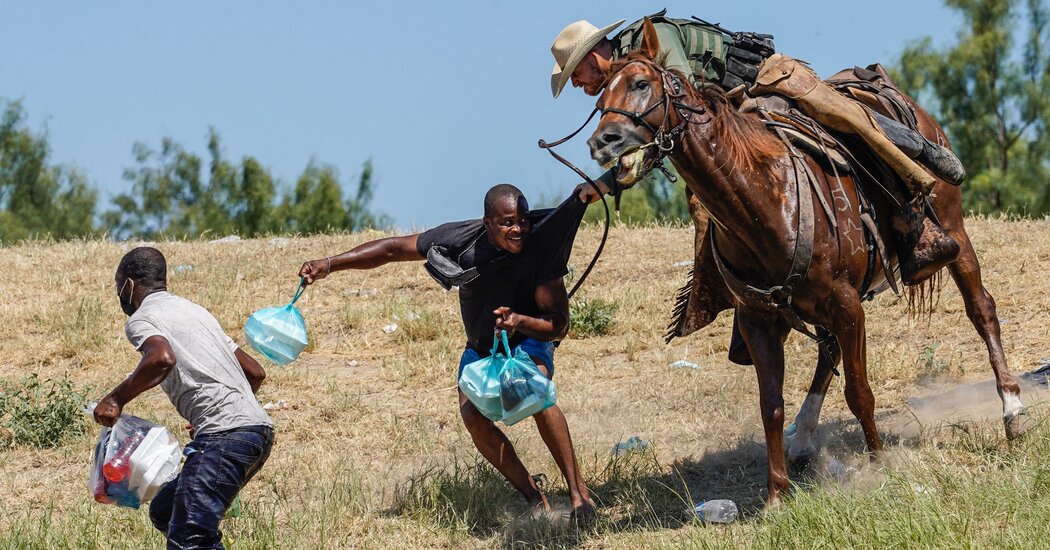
663, 142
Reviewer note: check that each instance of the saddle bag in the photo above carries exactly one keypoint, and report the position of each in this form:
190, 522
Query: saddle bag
747, 50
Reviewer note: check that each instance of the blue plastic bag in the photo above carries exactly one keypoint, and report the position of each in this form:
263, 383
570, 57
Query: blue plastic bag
523, 389
480, 383
507, 387
279, 333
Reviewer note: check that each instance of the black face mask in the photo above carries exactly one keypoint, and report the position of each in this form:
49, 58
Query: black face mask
128, 307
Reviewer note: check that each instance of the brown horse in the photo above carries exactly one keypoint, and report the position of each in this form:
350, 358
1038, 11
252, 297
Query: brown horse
755, 191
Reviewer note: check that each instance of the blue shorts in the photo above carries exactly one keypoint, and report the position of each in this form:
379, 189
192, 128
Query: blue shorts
544, 351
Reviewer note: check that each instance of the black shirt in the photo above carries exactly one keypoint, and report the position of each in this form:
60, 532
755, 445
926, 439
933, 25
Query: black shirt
509, 279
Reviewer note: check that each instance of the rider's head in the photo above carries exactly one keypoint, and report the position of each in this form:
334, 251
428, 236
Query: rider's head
582, 53
591, 72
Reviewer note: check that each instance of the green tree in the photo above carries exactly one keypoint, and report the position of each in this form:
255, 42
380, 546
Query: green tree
358, 212
258, 215
37, 198
317, 203
989, 90
165, 188
318, 200
654, 199
170, 196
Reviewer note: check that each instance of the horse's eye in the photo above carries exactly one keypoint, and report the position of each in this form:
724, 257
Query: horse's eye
641, 85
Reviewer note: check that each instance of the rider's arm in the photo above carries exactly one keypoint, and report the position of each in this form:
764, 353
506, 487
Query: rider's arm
366, 256
553, 321
671, 46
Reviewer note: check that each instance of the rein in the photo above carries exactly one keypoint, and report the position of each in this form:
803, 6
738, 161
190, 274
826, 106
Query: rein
664, 142
616, 193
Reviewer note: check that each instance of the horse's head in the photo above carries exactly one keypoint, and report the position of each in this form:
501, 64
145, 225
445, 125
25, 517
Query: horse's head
637, 112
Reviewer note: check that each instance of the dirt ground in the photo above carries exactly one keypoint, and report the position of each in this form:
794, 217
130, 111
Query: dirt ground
377, 410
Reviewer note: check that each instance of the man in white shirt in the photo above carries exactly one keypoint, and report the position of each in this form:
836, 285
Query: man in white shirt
210, 381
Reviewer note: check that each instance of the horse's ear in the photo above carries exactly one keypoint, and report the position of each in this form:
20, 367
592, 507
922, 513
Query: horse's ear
650, 46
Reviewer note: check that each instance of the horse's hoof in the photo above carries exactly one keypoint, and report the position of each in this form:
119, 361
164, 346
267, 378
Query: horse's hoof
1018, 423
800, 463
772, 507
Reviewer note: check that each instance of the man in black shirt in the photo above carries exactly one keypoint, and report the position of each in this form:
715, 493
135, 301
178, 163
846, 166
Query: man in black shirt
508, 267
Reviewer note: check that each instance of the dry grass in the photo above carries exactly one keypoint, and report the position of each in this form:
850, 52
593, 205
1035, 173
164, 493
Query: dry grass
371, 452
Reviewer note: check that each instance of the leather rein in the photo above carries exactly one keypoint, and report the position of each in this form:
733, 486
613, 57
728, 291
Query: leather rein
664, 143
616, 192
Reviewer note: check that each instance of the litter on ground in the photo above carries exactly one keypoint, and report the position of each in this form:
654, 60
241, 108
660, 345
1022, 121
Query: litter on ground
635, 443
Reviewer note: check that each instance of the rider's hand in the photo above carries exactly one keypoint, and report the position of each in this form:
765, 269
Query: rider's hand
507, 319
315, 270
107, 411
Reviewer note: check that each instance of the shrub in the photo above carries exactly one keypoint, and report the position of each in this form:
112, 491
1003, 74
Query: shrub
40, 413
591, 317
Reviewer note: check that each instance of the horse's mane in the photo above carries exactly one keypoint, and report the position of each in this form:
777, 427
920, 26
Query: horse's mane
749, 144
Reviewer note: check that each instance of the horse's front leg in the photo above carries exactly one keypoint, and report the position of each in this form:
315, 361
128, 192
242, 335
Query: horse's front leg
764, 334
803, 431
848, 327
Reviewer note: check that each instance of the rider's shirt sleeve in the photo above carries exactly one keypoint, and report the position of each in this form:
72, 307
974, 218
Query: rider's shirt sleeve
671, 46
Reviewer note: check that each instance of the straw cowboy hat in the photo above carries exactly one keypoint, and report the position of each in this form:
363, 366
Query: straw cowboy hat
570, 47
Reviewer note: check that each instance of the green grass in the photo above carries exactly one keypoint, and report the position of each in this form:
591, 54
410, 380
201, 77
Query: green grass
591, 317
40, 413
968, 490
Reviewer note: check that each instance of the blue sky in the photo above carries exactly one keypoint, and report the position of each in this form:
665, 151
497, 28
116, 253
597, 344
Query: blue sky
446, 98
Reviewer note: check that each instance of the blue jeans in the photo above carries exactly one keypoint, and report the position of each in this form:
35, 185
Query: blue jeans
544, 351
188, 508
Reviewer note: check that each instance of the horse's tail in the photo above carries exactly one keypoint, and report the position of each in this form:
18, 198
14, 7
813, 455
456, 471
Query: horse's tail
924, 297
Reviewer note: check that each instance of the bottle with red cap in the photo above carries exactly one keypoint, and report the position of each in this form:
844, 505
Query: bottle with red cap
119, 466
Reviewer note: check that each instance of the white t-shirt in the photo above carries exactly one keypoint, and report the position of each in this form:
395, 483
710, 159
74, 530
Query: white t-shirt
207, 385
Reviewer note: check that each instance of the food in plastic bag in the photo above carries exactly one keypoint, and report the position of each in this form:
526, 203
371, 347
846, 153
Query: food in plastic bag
279, 333
506, 387
132, 461
480, 383
524, 390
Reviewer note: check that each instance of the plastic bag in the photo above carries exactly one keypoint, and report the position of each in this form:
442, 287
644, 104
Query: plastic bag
480, 383
132, 461
279, 333
507, 388
524, 390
